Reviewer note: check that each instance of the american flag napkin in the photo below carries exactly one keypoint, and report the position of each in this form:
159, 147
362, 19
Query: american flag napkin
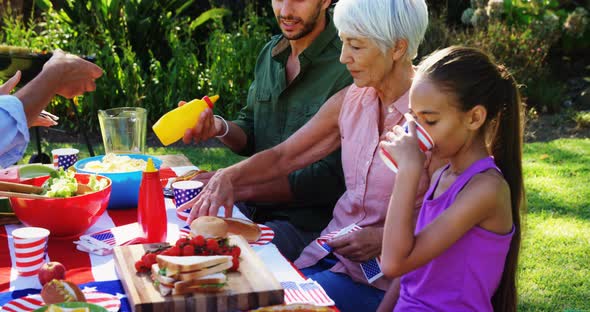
322, 240
309, 292
103, 242
371, 268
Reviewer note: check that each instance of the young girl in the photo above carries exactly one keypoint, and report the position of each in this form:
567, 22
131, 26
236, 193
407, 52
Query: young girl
462, 253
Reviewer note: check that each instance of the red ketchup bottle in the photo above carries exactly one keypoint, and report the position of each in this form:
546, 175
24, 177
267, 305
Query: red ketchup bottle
151, 209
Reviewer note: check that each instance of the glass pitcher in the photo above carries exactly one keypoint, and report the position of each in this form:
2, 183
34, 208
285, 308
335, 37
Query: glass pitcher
123, 129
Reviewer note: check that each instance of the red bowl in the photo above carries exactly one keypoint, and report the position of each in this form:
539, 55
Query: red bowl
63, 217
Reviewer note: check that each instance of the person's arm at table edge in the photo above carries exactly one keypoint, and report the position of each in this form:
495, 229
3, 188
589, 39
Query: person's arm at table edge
315, 140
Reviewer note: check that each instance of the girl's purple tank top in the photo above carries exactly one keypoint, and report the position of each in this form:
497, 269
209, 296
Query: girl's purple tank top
465, 276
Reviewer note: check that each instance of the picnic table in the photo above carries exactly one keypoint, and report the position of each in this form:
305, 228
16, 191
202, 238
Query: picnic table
98, 273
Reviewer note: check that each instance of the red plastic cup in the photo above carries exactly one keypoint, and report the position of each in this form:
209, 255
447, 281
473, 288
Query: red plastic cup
30, 249
425, 143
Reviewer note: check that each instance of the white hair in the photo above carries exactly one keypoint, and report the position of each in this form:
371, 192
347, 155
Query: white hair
384, 21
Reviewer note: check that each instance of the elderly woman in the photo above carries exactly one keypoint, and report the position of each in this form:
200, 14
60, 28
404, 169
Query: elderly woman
380, 39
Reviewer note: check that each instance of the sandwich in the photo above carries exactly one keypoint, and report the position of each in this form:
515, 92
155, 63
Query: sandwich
249, 230
179, 275
57, 291
209, 227
214, 227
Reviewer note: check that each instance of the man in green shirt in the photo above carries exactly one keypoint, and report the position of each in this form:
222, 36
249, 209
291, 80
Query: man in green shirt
296, 72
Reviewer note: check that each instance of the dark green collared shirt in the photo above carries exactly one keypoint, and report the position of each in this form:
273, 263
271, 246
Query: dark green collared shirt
275, 110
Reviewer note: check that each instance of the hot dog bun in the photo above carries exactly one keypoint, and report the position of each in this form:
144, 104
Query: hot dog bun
57, 291
249, 230
209, 227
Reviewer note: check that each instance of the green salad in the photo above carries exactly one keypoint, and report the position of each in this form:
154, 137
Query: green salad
64, 184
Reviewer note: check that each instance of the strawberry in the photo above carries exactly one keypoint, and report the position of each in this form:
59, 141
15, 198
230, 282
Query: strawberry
188, 250
235, 264
150, 259
182, 241
141, 267
212, 245
236, 251
198, 241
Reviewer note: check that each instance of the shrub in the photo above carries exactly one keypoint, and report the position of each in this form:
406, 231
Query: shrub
231, 58
518, 47
582, 119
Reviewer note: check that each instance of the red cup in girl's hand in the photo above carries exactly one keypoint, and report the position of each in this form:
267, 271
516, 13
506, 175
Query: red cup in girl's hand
425, 143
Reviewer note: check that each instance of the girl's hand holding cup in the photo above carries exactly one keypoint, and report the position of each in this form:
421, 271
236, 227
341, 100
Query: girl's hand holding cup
406, 145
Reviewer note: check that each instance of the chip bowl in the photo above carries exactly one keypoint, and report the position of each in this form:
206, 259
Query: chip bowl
125, 191
63, 217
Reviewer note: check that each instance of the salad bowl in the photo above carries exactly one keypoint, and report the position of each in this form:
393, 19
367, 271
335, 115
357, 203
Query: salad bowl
63, 217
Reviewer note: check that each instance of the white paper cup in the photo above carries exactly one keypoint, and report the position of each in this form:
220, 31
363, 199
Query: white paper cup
425, 143
64, 157
30, 249
184, 191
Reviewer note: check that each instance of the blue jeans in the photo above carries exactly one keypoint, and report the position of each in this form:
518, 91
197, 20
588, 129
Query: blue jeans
348, 294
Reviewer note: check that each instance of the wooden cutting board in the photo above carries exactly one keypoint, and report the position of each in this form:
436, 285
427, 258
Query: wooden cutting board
251, 287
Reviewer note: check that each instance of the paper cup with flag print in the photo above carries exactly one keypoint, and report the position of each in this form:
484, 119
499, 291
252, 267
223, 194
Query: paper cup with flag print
425, 143
183, 192
64, 157
30, 249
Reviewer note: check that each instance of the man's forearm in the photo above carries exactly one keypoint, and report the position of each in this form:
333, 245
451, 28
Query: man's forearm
277, 190
235, 138
37, 94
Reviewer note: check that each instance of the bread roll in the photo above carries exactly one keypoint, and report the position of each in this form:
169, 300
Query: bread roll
57, 291
209, 227
249, 230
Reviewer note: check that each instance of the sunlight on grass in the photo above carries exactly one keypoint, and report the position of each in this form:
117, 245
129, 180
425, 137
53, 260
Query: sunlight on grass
555, 263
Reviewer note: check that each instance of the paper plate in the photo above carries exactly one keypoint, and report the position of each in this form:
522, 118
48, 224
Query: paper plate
33, 171
34, 302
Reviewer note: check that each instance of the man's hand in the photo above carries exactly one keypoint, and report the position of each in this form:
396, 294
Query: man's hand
71, 74
45, 119
10, 84
206, 128
218, 192
358, 246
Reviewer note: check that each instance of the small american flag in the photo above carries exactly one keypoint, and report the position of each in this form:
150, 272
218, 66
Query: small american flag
315, 292
293, 294
372, 269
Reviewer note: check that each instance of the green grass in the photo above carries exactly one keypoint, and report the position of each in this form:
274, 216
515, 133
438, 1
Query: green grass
555, 255
554, 270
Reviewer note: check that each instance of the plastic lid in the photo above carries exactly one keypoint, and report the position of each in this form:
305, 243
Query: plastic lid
150, 166
210, 100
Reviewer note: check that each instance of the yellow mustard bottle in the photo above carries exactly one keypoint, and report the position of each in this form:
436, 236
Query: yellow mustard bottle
171, 127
